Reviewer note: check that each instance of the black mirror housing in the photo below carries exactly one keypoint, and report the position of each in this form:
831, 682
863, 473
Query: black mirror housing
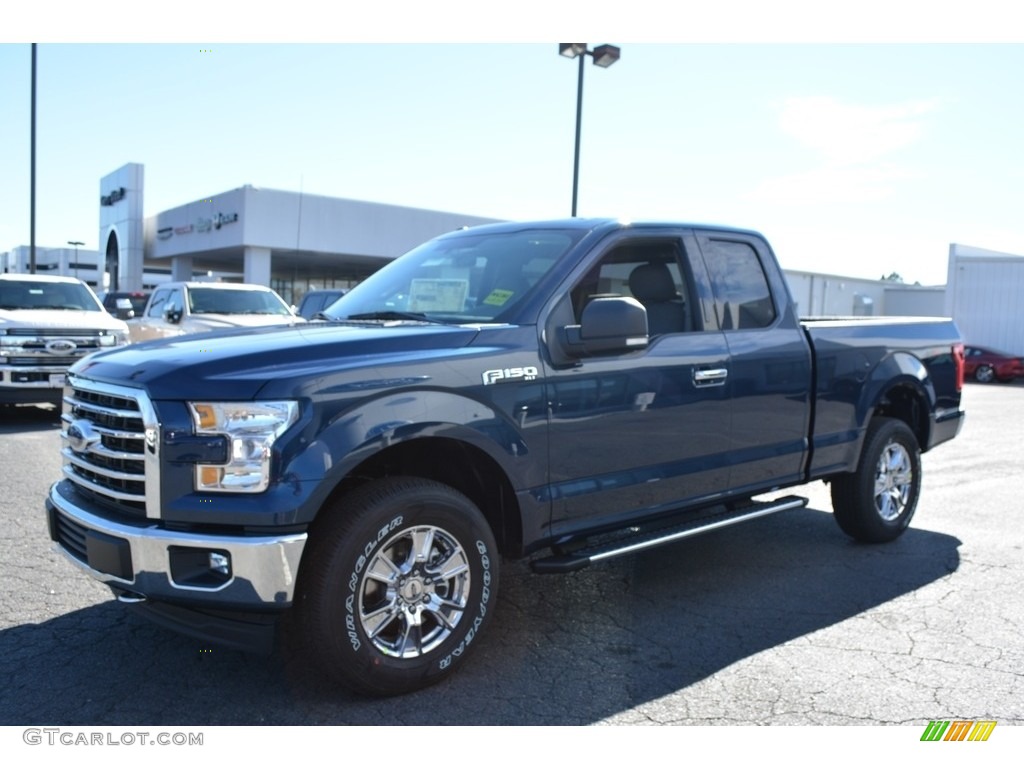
609, 324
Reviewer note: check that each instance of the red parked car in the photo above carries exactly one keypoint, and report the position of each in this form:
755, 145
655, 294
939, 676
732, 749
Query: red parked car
987, 365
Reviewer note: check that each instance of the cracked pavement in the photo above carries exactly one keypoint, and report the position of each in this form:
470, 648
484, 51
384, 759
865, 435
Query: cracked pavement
781, 621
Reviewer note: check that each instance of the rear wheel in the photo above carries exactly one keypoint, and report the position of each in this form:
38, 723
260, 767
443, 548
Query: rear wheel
876, 503
399, 579
984, 374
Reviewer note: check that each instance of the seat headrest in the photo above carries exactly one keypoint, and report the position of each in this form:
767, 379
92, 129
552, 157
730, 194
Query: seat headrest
652, 283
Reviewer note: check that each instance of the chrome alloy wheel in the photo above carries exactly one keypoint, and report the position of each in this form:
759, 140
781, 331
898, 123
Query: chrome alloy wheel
893, 481
414, 591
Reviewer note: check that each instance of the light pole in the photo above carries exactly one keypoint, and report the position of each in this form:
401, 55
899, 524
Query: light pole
603, 56
76, 243
32, 174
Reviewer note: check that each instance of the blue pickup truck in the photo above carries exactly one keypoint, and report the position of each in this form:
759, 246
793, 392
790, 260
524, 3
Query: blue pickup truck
564, 391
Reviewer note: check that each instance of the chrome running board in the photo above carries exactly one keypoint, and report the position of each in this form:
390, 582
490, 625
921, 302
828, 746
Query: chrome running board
646, 536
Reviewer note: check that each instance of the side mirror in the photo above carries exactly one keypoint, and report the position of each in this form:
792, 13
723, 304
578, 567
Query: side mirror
608, 324
172, 314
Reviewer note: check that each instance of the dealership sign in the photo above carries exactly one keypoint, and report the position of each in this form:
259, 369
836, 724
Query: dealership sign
205, 225
225, 218
113, 197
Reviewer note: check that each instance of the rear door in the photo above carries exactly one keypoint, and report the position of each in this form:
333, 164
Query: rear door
769, 361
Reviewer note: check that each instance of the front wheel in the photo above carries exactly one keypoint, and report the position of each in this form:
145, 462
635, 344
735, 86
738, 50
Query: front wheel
875, 503
984, 374
401, 577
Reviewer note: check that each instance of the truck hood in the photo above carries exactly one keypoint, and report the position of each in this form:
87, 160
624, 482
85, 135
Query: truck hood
236, 365
60, 318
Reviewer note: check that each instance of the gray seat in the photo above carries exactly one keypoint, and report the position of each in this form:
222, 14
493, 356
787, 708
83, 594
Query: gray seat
652, 286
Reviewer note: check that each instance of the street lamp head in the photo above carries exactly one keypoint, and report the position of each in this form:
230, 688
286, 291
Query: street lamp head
605, 55
571, 50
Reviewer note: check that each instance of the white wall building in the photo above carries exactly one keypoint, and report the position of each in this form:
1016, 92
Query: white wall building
289, 240
985, 295
76, 262
122, 227
834, 295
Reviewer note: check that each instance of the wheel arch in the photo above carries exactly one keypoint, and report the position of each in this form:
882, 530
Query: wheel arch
908, 404
455, 463
900, 388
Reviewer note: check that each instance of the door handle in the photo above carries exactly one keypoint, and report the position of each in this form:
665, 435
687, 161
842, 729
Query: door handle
710, 377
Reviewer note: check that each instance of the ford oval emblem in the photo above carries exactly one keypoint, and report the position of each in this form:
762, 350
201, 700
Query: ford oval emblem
60, 346
80, 435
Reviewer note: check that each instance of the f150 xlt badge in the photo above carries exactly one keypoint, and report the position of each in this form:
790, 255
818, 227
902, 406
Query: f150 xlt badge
525, 373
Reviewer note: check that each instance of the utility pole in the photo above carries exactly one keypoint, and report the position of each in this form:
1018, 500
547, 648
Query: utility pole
32, 174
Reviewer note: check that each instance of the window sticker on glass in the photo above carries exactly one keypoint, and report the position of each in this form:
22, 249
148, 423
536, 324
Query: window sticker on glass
498, 297
429, 295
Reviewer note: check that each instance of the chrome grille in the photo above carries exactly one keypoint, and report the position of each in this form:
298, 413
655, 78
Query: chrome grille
61, 332
29, 346
105, 448
49, 360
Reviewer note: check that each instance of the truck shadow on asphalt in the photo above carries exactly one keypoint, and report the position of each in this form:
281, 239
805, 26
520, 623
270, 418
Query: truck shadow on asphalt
28, 418
561, 650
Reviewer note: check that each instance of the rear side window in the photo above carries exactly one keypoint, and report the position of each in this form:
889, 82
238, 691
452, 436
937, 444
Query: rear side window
742, 297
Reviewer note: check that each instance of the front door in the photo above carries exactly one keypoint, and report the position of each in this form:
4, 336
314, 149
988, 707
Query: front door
641, 432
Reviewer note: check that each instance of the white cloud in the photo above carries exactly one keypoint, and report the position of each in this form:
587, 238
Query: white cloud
855, 144
832, 184
849, 134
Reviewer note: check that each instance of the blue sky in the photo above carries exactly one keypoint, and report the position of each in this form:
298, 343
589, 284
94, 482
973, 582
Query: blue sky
854, 155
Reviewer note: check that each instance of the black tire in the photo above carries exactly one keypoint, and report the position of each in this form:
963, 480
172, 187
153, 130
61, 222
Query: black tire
875, 503
984, 374
376, 610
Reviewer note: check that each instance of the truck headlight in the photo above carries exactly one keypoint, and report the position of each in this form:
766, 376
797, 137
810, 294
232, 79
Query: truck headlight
250, 429
113, 338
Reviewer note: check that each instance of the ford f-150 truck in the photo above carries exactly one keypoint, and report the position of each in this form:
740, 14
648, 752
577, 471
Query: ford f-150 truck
47, 323
564, 391
176, 309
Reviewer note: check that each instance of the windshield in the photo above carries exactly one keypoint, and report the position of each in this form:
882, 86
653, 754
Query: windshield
31, 294
228, 301
460, 278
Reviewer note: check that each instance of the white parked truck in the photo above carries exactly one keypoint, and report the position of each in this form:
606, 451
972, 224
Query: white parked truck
176, 309
47, 324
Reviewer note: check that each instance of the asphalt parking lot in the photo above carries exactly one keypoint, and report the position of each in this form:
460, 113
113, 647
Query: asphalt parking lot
783, 621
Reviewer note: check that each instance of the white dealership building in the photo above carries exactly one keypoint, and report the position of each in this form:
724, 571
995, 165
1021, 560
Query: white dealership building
290, 241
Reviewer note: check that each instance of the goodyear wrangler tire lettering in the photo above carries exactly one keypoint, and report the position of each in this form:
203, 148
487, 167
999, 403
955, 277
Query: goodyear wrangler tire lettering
396, 586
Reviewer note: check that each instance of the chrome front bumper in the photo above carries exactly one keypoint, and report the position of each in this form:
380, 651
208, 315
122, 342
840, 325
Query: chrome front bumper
137, 559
